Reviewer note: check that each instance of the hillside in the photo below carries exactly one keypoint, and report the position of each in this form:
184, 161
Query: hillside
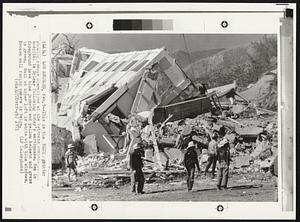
183, 59
243, 63
247, 64
264, 92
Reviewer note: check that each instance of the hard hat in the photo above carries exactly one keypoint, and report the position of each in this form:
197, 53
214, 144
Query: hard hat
191, 144
223, 142
71, 145
136, 146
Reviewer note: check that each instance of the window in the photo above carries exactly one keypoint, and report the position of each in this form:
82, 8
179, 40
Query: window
129, 65
104, 64
90, 66
164, 63
118, 66
139, 66
111, 65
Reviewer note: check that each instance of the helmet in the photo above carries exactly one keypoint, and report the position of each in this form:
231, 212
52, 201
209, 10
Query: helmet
223, 142
71, 145
136, 146
191, 144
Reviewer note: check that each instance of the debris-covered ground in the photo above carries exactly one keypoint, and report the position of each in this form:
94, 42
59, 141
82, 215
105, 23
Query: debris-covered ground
252, 133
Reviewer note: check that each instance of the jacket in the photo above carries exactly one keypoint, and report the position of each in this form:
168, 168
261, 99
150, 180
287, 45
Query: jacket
191, 158
223, 154
135, 161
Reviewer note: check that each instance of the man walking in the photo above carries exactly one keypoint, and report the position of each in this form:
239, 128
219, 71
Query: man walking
223, 158
190, 161
71, 157
212, 150
136, 166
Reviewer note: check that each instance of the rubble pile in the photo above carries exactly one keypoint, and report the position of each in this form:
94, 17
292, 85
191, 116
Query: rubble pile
252, 137
100, 161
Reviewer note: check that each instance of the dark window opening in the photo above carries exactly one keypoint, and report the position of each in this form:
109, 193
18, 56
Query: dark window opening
58, 106
117, 112
129, 65
110, 66
118, 66
139, 66
104, 64
90, 66
93, 106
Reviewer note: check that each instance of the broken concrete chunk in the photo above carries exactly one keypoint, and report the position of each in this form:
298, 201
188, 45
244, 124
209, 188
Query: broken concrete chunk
267, 163
265, 154
249, 131
90, 144
237, 109
242, 161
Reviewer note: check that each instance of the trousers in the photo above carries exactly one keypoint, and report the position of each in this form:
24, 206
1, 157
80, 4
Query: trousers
211, 160
223, 172
137, 178
190, 177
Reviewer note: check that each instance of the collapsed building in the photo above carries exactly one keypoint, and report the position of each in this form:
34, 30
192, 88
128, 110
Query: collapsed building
105, 87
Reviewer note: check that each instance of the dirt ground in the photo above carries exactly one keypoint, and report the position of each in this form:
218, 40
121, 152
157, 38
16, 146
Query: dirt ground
242, 187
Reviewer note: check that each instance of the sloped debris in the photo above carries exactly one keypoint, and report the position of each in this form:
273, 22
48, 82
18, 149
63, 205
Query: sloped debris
249, 153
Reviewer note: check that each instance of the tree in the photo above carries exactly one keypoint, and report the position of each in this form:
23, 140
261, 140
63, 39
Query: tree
63, 45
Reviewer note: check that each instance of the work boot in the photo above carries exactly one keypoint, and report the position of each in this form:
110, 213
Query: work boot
218, 188
142, 192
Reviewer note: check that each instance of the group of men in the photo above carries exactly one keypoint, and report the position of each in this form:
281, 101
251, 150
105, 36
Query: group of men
218, 155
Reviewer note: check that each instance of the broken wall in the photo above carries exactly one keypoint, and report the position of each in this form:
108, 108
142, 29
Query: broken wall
104, 144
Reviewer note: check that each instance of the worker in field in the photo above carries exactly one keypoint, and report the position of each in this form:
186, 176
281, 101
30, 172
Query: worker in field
71, 163
136, 167
223, 159
212, 151
191, 162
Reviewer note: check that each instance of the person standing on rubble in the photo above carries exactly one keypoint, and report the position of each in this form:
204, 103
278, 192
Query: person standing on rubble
223, 158
190, 162
136, 167
212, 150
71, 157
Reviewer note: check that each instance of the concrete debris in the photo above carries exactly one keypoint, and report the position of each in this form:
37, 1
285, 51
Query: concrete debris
252, 136
249, 131
238, 109
90, 144
242, 161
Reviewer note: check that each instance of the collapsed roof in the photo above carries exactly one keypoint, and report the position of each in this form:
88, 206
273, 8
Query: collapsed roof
121, 84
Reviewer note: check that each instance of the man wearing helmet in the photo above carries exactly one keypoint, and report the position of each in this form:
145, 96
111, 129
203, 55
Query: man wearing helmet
223, 158
136, 167
190, 161
71, 157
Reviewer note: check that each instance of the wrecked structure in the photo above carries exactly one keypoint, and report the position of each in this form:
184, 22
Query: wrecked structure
116, 100
105, 89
